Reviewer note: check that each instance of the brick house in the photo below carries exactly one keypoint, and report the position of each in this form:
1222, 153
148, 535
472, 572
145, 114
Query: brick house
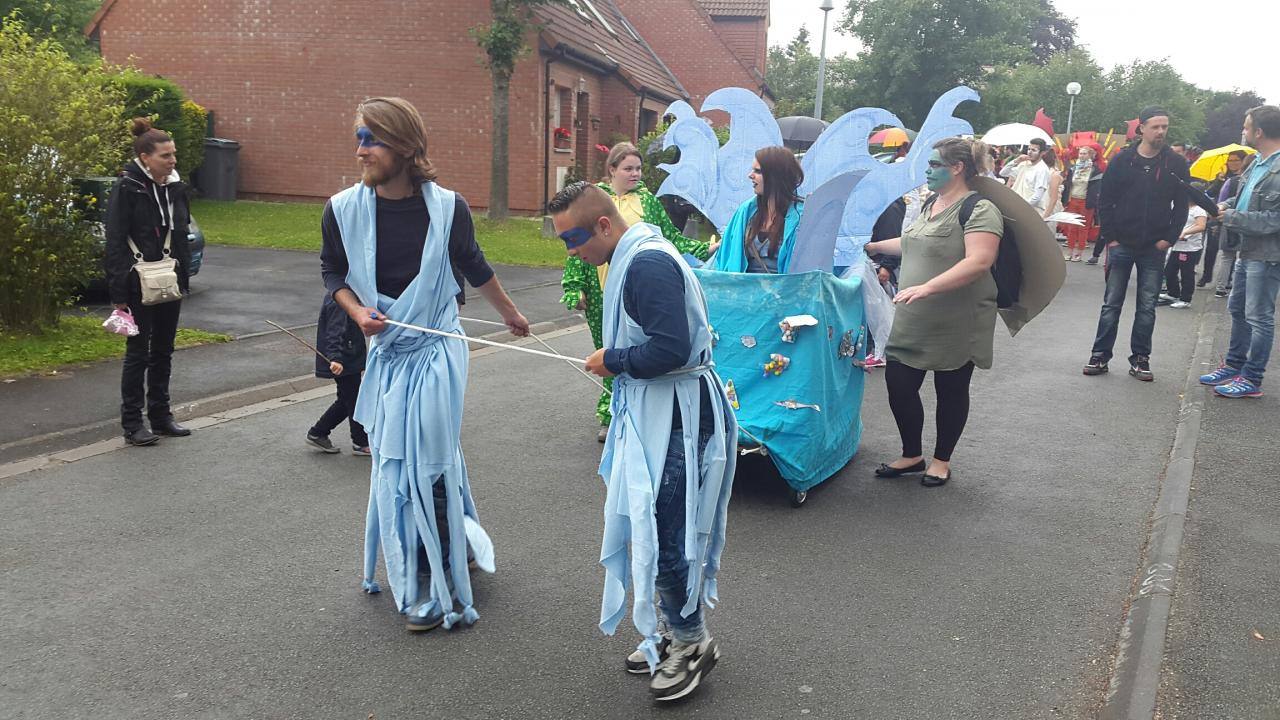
711, 43
283, 78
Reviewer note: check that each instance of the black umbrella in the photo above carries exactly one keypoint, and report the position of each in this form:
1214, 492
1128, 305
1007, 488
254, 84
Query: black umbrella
799, 131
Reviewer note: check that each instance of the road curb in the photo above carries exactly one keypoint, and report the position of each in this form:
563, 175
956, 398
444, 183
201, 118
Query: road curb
227, 406
1135, 678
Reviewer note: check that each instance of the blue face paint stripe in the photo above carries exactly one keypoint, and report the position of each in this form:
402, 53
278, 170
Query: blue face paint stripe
575, 237
366, 138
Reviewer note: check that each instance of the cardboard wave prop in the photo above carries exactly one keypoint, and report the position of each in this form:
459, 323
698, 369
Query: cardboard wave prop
714, 179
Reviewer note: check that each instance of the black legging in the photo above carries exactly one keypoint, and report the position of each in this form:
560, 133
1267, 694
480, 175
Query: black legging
952, 387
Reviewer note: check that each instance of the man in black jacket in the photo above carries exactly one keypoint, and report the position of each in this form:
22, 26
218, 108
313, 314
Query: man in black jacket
1142, 209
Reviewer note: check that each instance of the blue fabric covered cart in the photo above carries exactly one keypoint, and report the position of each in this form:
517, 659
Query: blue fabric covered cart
804, 412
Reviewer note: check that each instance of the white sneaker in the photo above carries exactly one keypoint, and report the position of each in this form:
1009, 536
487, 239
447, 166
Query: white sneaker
638, 664
1180, 304
682, 672
1168, 298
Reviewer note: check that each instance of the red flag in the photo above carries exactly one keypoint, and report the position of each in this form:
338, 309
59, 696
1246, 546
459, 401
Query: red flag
1133, 129
1044, 122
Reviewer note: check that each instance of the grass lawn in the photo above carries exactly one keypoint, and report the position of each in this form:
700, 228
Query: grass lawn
296, 226
76, 339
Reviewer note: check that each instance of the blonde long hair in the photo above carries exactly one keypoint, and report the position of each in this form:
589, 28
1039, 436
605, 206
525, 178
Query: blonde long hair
975, 154
396, 123
617, 154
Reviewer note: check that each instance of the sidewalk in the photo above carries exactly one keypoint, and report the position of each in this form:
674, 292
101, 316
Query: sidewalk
238, 289
218, 575
1215, 666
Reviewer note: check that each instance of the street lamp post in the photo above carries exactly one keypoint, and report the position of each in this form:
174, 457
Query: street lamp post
826, 6
1073, 89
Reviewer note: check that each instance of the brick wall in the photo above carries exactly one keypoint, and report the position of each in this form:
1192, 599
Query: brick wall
747, 38
683, 36
283, 77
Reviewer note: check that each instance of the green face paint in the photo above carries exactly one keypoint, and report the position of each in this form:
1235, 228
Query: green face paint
937, 175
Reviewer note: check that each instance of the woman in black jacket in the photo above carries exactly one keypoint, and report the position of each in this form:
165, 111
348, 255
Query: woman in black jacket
148, 207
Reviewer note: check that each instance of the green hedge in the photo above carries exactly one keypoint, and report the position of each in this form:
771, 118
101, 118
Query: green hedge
164, 102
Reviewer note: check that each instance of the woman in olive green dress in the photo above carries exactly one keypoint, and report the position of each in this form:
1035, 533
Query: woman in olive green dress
946, 309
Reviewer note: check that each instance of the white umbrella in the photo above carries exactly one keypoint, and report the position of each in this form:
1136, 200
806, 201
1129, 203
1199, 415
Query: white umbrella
1015, 134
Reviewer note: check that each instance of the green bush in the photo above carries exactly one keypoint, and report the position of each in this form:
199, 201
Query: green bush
60, 120
190, 138
165, 104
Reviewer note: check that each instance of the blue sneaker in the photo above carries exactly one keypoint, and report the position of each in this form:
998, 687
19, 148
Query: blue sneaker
1240, 387
1223, 374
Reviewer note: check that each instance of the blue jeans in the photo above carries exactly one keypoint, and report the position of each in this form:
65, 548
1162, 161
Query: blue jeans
673, 569
1121, 261
1253, 317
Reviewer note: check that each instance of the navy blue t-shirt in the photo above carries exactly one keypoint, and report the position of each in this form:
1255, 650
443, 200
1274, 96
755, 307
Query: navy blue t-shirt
653, 296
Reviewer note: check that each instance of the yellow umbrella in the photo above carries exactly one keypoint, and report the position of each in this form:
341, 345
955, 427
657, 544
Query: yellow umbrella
1211, 164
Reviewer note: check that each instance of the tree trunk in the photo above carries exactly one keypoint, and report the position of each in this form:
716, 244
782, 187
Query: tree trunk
500, 162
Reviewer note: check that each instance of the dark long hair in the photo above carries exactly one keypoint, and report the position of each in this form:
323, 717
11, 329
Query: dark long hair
782, 178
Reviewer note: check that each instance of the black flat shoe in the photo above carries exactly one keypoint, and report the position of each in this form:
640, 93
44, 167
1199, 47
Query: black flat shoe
169, 429
885, 471
934, 480
140, 437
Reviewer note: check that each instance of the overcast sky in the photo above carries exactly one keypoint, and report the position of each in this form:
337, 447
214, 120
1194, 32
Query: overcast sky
1232, 57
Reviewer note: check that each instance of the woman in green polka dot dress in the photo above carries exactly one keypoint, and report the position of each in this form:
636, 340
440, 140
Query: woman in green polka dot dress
583, 284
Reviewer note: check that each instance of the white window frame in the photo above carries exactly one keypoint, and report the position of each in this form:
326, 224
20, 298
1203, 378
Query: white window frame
599, 17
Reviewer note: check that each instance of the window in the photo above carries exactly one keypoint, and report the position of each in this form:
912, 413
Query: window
600, 17
626, 24
581, 12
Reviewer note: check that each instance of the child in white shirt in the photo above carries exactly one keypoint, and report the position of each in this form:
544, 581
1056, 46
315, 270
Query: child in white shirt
1180, 268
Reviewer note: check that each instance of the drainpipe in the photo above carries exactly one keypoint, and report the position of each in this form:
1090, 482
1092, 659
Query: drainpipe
546, 142
640, 114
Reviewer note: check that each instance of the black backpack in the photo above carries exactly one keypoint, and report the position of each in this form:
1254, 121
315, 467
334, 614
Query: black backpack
1007, 269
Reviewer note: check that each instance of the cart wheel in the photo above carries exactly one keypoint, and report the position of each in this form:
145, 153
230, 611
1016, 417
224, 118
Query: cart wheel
798, 497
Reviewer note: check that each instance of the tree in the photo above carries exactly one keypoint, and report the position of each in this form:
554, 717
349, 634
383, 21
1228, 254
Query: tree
1013, 94
915, 50
1224, 116
793, 78
1052, 33
61, 20
504, 42
1140, 84
792, 73
61, 120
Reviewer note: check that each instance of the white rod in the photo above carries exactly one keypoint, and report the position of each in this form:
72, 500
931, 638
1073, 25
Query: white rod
505, 346
575, 365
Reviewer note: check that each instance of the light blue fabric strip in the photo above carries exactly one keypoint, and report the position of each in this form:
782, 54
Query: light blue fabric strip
635, 453
411, 401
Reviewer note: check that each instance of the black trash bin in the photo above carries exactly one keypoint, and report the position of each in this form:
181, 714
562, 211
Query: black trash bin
217, 176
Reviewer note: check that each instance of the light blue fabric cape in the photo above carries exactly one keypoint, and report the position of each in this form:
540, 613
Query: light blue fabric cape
732, 255
636, 451
411, 404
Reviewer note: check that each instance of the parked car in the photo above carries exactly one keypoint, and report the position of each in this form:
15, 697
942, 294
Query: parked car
100, 188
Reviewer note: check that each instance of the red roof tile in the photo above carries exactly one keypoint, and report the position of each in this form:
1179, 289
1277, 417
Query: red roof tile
736, 8
599, 30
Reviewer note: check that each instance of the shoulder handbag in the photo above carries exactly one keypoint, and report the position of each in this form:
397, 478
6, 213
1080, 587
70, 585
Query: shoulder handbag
158, 278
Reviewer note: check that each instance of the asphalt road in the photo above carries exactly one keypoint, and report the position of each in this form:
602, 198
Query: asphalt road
218, 576
237, 289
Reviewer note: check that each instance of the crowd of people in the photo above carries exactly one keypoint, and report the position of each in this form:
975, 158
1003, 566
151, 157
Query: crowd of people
397, 248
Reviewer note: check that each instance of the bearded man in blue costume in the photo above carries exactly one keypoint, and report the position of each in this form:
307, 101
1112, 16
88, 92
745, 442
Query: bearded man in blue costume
669, 459
396, 246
